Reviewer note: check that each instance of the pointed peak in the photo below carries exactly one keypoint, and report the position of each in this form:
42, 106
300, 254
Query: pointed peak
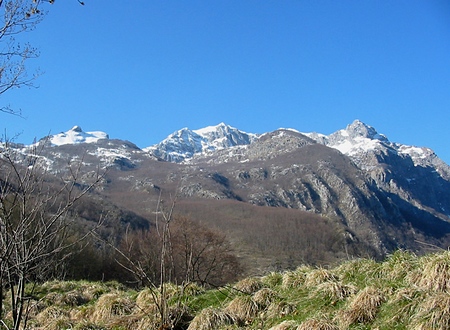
360, 129
358, 124
76, 128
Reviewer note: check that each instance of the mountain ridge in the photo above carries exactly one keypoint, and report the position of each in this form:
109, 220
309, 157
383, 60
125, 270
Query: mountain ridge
183, 144
375, 194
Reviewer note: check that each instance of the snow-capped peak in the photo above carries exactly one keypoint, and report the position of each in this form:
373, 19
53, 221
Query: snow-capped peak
213, 129
76, 135
359, 139
354, 139
185, 143
359, 129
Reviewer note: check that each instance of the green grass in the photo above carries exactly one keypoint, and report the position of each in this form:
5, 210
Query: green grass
402, 292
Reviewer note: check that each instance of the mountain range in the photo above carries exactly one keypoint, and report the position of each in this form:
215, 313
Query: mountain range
282, 197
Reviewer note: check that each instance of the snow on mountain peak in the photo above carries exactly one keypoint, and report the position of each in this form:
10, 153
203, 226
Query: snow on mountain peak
185, 143
213, 129
359, 129
76, 135
357, 139
76, 129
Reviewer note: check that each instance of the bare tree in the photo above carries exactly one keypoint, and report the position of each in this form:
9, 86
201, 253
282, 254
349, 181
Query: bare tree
203, 255
34, 222
149, 257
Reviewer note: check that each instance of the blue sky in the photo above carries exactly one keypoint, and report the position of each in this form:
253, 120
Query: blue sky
140, 70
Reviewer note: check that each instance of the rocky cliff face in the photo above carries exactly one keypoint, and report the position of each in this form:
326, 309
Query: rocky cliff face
412, 175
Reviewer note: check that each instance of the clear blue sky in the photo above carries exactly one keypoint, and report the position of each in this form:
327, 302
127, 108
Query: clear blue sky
141, 69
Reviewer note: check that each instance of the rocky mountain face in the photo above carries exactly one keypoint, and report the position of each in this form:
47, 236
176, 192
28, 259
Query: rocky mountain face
413, 175
374, 194
185, 143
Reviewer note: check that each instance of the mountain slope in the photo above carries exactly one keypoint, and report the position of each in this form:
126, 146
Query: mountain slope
373, 195
412, 174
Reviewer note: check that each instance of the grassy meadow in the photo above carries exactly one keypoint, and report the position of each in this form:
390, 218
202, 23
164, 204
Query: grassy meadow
402, 292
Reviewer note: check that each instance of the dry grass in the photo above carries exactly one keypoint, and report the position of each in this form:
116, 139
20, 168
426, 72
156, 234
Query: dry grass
193, 289
363, 307
273, 279
264, 297
433, 273
243, 308
147, 322
317, 324
334, 290
398, 265
285, 325
404, 303
210, 319
295, 278
432, 313
248, 285
405, 292
318, 276
357, 270
52, 317
280, 309
110, 306
146, 298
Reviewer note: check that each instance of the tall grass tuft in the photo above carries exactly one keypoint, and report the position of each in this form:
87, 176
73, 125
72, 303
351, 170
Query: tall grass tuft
317, 323
111, 305
243, 308
264, 297
272, 280
211, 319
279, 309
295, 278
248, 285
358, 271
398, 265
193, 289
432, 313
146, 299
334, 291
363, 307
402, 305
285, 325
53, 318
433, 272
318, 276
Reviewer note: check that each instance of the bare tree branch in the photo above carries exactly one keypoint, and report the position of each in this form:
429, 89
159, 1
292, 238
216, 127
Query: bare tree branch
34, 221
